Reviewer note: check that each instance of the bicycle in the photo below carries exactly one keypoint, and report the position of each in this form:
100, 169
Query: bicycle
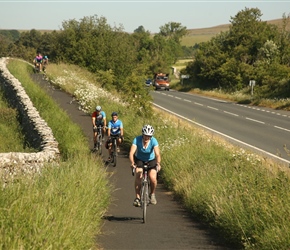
99, 139
145, 184
114, 152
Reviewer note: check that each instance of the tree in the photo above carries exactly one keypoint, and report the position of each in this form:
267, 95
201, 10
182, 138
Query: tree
173, 31
140, 29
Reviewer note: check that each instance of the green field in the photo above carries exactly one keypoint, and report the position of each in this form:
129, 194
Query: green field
195, 36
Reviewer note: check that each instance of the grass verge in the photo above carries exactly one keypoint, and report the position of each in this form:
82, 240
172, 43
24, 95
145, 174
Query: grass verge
240, 194
62, 207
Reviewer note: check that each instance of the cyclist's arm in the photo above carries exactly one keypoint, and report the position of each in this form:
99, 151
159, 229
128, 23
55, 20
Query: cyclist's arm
105, 122
131, 154
94, 121
158, 156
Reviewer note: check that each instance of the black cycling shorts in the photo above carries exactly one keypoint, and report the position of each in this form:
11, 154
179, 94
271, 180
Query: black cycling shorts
139, 163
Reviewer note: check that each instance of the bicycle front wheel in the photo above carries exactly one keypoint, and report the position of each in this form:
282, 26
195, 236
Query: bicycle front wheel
145, 200
100, 144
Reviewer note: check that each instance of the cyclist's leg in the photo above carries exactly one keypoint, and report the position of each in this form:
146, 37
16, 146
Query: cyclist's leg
95, 137
103, 130
138, 177
98, 123
109, 147
152, 173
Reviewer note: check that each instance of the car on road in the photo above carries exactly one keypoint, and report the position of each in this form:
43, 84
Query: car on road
148, 82
161, 81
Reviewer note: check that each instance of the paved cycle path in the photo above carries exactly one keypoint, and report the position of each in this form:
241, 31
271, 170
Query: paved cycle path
168, 225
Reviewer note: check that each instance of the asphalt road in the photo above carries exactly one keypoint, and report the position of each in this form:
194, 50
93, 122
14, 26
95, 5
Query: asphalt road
169, 225
264, 130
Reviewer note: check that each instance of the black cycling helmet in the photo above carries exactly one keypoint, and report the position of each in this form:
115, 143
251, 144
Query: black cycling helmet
114, 114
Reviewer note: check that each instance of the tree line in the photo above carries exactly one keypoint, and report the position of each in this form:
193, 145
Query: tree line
250, 50
121, 61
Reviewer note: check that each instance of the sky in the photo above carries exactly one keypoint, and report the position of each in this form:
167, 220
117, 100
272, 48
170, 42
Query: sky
50, 14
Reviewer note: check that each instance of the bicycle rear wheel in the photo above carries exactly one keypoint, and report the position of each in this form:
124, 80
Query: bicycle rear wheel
114, 160
144, 200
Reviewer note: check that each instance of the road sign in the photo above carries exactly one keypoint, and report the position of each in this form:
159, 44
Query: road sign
184, 76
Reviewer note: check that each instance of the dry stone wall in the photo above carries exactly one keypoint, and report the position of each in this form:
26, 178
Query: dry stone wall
38, 134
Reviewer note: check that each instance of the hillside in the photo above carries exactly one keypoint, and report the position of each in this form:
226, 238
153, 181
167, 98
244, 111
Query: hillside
205, 34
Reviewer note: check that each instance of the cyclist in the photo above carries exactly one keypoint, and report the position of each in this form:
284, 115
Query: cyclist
145, 148
115, 128
98, 118
38, 61
45, 63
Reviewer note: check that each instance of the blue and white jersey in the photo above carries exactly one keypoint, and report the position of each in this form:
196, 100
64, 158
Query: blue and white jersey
115, 127
145, 154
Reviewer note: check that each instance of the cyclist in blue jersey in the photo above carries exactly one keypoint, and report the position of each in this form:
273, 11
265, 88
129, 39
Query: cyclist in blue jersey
98, 118
145, 148
115, 128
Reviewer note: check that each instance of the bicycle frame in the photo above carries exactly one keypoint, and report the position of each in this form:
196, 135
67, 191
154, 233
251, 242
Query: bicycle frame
144, 192
99, 139
114, 152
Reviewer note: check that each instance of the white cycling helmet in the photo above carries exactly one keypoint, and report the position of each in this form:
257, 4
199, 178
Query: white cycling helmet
148, 130
98, 108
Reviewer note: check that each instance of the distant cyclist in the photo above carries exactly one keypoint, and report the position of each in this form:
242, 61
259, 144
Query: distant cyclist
145, 148
98, 119
44, 63
115, 128
38, 61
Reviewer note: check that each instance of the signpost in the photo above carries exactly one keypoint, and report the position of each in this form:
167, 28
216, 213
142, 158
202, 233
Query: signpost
252, 83
184, 77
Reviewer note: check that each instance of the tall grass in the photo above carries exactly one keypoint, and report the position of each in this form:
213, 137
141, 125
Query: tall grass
242, 195
11, 137
62, 207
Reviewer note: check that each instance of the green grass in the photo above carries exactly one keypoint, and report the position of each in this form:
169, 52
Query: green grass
242, 195
10, 130
62, 207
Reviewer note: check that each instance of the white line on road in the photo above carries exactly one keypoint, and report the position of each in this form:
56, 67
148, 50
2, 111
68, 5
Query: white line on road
212, 108
254, 120
177, 97
282, 128
186, 100
200, 104
230, 113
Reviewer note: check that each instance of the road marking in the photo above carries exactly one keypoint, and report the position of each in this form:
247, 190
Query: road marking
177, 97
186, 100
282, 128
230, 113
198, 103
254, 120
212, 108
229, 137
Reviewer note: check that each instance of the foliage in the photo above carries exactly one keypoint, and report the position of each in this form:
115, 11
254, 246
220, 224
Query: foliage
250, 49
106, 51
243, 196
10, 130
69, 198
